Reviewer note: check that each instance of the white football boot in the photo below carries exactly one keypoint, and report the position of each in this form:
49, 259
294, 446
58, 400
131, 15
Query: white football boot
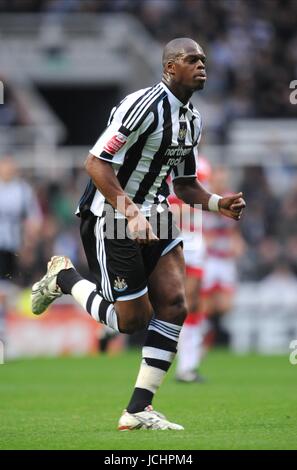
45, 291
147, 419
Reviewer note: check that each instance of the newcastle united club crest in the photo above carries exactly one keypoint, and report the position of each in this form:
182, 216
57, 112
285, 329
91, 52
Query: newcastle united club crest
120, 284
182, 128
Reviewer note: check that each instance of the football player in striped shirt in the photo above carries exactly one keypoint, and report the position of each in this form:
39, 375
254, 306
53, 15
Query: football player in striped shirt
133, 247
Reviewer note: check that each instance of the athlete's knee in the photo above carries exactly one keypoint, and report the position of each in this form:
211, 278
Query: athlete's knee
133, 318
179, 307
133, 324
176, 309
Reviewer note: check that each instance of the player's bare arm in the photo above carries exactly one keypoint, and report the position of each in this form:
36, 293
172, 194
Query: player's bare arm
193, 192
106, 181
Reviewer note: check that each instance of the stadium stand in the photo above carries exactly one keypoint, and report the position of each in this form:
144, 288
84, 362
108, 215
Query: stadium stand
51, 55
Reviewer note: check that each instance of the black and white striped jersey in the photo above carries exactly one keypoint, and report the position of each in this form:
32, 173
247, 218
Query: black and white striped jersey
150, 134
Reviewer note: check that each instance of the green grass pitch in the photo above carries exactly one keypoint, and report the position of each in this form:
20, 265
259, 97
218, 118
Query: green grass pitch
249, 402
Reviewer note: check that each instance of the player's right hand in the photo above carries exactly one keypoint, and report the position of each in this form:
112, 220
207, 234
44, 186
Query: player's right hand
140, 230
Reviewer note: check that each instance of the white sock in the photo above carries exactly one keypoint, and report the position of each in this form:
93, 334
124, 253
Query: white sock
84, 292
149, 377
157, 355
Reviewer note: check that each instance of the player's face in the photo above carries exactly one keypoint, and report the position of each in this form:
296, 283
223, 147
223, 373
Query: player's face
189, 68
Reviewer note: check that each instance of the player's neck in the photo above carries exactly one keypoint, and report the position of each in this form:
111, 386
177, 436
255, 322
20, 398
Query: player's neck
179, 91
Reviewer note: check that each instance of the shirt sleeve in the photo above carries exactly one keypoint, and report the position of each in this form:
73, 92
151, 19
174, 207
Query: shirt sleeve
130, 119
111, 142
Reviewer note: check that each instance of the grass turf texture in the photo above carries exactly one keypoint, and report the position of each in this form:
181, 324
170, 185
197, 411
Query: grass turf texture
249, 402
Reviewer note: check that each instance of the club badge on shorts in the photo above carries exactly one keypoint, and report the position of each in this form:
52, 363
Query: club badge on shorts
120, 284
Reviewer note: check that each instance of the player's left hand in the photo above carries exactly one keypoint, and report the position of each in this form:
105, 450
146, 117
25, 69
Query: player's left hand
232, 206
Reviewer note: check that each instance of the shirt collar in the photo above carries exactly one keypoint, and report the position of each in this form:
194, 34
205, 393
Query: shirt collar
173, 99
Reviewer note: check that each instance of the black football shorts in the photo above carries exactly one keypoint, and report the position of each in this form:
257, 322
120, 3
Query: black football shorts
119, 265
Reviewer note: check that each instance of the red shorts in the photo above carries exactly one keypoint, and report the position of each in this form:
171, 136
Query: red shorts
194, 272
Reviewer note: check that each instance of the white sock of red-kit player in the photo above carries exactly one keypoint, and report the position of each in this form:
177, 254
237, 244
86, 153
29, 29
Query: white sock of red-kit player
190, 345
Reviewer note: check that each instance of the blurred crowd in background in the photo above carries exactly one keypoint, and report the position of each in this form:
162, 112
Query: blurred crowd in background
252, 45
252, 56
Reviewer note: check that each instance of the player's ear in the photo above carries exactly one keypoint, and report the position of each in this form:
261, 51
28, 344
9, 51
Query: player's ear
170, 67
